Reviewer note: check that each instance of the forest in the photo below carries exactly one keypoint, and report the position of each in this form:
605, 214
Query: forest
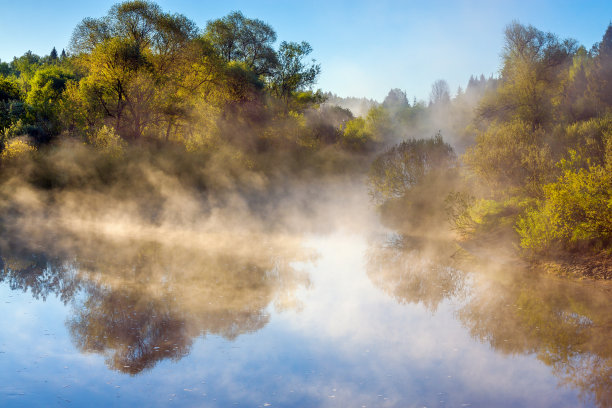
144, 107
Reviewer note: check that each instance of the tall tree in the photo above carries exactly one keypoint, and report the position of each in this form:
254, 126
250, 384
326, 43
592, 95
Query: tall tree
293, 73
600, 83
440, 92
139, 60
396, 99
246, 40
530, 76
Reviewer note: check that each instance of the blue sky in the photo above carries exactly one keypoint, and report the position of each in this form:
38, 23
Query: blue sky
365, 48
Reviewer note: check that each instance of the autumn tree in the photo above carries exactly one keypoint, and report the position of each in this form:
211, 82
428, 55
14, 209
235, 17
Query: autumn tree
141, 62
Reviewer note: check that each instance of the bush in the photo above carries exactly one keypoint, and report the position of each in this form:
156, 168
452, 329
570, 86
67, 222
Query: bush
405, 165
108, 141
576, 211
15, 149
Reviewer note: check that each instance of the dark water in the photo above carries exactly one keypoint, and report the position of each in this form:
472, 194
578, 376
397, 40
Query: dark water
353, 316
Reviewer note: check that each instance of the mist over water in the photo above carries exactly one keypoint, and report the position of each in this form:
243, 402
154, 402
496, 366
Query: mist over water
297, 298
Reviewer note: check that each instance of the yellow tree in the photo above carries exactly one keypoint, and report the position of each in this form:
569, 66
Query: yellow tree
142, 65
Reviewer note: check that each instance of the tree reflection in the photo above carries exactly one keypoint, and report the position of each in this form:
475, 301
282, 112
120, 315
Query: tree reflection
141, 302
413, 270
566, 324
41, 275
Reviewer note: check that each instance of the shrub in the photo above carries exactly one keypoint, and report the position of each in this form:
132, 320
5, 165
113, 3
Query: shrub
576, 210
16, 148
405, 165
108, 141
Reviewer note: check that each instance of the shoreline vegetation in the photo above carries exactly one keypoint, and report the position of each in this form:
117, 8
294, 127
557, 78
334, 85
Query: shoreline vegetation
146, 113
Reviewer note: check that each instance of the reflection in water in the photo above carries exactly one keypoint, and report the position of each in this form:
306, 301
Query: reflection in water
141, 302
566, 324
414, 271
35, 272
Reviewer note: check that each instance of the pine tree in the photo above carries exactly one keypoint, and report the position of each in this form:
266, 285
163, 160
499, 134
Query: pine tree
53, 54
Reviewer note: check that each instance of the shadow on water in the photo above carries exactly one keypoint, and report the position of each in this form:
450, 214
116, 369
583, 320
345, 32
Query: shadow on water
138, 302
566, 324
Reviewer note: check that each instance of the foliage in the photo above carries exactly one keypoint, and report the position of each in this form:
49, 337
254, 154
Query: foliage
106, 140
407, 164
511, 155
292, 73
245, 40
552, 106
143, 78
16, 149
575, 211
355, 135
9, 89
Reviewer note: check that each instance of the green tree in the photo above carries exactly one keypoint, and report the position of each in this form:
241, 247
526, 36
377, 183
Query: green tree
5, 68
24, 68
47, 87
245, 40
575, 210
9, 89
511, 158
293, 74
142, 63
530, 76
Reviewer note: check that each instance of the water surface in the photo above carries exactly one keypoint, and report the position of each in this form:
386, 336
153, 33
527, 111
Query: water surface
351, 314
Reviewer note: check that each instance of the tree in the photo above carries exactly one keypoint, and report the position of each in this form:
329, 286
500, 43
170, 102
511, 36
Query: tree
440, 93
5, 68
143, 64
293, 74
246, 40
53, 54
24, 68
10, 99
575, 211
396, 99
9, 89
395, 172
530, 76
510, 157
47, 87
600, 83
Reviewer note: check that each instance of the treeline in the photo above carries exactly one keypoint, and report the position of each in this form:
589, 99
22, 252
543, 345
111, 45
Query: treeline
140, 75
539, 167
544, 141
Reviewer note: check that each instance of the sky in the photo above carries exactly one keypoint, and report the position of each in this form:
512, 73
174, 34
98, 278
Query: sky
365, 48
